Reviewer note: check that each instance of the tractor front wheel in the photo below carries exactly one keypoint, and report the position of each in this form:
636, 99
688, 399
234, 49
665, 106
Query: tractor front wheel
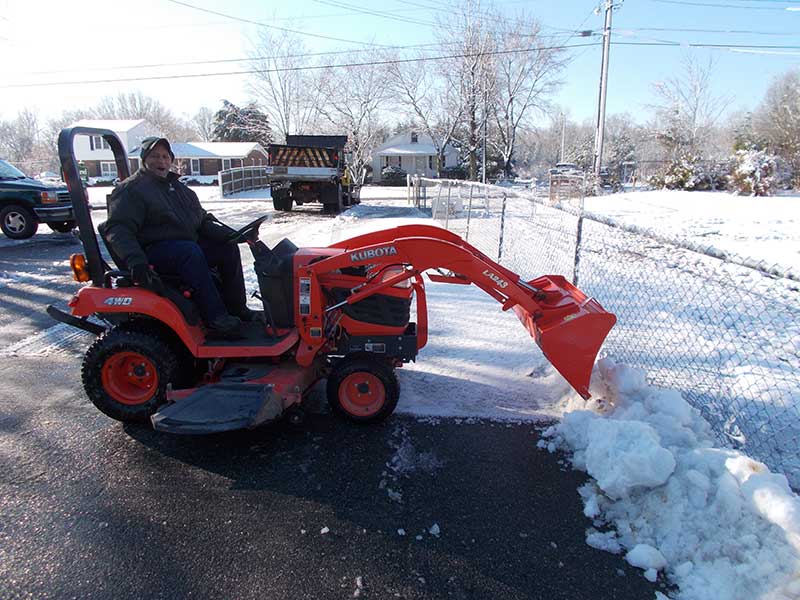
363, 389
125, 374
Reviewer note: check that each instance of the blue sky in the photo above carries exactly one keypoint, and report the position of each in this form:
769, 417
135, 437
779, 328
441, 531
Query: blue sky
109, 36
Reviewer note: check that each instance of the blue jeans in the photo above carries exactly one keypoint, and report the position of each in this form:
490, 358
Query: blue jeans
191, 261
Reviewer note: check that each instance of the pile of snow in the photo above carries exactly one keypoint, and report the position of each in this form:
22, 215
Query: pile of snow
720, 525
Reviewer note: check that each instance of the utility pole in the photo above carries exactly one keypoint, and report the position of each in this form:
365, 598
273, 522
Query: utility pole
601, 104
485, 121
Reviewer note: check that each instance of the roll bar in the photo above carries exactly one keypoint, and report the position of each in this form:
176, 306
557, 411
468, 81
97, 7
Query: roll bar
78, 195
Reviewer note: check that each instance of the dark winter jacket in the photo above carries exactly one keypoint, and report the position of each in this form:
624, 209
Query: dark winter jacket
145, 209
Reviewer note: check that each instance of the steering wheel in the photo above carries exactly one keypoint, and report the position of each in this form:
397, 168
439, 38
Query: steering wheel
250, 231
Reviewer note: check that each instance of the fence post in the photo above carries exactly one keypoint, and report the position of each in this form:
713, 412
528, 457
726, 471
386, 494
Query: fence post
438, 201
447, 207
469, 212
502, 228
577, 262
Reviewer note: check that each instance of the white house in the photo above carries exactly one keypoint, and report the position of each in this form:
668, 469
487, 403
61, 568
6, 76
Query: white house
412, 152
95, 153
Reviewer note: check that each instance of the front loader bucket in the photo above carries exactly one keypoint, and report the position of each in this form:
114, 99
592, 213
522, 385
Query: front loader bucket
570, 329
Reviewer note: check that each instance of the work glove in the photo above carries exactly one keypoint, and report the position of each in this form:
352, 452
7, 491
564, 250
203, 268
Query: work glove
145, 277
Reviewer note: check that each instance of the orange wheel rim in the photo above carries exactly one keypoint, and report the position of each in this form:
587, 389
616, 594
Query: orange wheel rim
130, 378
362, 394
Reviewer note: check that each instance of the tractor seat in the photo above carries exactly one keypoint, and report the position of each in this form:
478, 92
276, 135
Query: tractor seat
176, 291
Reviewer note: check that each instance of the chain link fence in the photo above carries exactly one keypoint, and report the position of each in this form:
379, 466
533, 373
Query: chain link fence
721, 329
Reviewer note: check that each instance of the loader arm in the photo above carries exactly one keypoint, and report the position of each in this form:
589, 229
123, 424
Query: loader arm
567, 325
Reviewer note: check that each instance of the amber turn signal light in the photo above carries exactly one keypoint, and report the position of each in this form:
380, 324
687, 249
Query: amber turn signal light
80, 270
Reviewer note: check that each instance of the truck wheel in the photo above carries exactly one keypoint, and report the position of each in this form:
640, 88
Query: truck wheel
282, 201
18, 222
363, 389
62, 227
339, 199
125, 374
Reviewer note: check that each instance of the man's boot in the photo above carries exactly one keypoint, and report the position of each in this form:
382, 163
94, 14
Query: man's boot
226, 326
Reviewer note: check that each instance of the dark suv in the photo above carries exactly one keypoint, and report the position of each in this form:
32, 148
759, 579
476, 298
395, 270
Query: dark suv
25, 202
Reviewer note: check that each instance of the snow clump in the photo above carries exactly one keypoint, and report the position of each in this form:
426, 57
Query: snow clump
719, 524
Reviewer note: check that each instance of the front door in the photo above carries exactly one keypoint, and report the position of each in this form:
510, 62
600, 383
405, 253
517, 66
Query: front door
419, 165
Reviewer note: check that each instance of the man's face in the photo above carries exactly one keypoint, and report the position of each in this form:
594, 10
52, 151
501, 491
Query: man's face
158, 161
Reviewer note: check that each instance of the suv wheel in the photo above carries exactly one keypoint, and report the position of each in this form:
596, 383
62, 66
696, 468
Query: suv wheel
18, 222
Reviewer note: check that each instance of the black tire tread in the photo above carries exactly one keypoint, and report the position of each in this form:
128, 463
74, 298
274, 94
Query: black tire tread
159, 351
375, 366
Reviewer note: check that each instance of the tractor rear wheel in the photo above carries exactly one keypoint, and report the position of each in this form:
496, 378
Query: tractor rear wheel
125, 374
363, 389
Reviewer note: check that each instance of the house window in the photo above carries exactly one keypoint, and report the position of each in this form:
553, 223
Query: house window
400, 161
385, 161
413, 138
226, 164
430, 162
108, 169
97, 142
195, 166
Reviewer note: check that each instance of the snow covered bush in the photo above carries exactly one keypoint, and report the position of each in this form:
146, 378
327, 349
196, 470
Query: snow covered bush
686, 173
753, 173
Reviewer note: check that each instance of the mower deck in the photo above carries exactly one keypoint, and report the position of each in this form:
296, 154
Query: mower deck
220, 407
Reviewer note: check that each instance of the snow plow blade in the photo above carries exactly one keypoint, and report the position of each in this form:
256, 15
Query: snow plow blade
570, 329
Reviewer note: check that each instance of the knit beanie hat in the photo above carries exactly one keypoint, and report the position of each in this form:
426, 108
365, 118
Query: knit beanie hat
149, 143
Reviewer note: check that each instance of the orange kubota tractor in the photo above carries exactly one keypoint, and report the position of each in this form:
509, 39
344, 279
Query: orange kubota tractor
340, 313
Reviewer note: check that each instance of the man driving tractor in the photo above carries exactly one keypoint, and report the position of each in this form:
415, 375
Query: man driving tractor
157, 225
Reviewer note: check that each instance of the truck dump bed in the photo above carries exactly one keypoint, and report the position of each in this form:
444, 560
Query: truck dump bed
303, 156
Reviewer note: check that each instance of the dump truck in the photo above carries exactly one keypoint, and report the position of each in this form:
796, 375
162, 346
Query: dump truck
311, 168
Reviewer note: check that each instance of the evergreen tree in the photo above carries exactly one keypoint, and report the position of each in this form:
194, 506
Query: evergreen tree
246, 124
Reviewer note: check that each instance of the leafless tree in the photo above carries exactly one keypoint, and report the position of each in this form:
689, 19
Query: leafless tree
282, 86
135, 105
777, 119
526, 73
203, 124
470, 72
355, 97
433, 102
688, 109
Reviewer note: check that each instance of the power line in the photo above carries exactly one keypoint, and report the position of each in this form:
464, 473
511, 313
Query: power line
284, 29
726, 31
233, 60
686, 3
302, 68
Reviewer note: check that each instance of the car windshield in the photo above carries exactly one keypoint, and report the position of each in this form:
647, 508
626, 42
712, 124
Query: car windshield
8, 171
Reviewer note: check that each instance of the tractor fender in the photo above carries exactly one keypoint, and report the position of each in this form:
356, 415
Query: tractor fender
129, 300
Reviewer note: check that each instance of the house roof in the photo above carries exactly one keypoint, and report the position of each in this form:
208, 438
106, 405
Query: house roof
116, 125
410, 149
209, 149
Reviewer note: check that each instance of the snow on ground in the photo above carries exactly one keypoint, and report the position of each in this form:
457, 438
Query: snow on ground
717, 524
762, 228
